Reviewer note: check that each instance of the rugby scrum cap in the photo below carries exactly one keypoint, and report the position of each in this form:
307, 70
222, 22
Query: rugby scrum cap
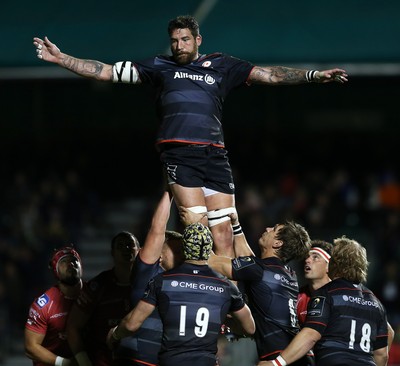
197, 242
60, 254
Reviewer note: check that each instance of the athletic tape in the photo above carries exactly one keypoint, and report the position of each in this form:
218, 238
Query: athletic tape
125, 72
216, 217
198, 209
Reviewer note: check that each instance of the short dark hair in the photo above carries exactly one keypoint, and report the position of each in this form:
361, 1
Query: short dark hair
325, 245
125, 237
182, 22
296, 242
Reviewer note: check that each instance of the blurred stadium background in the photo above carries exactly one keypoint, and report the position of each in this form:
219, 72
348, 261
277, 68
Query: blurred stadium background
78, 159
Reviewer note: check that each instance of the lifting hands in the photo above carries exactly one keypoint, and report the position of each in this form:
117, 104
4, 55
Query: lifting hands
188, 217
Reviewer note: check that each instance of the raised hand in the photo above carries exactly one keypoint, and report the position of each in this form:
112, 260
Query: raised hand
189, 217
46, 50
333, 75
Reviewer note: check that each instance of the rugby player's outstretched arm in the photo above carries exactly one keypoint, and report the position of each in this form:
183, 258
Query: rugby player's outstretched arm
48, 51
280, 75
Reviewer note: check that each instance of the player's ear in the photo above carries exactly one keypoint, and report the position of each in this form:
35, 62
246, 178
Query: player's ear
199, 39
277, 244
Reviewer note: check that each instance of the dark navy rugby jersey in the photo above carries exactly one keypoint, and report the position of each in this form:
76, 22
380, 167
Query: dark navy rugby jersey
272, 290
143, 346
193, 301
352, 322
190, 97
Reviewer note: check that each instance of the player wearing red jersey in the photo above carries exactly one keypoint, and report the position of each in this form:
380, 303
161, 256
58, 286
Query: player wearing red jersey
45, 329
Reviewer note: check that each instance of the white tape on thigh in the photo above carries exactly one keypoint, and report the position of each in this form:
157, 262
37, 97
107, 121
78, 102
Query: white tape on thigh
216, 217
198, 209
125, 72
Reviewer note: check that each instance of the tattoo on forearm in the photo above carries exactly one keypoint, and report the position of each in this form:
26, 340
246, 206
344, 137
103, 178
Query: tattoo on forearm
260, 75
286, 74
278, 75
83, 67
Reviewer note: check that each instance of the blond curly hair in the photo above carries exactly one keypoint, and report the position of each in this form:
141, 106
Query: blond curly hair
348, 261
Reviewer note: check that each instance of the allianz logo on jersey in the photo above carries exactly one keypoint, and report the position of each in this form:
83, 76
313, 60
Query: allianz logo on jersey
184, 75
197, 286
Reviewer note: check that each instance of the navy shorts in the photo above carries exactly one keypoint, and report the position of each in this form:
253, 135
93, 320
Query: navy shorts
198, 166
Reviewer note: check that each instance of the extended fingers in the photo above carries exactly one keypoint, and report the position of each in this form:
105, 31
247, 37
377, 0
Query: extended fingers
39, 51
340, 77
38, 43
337, 75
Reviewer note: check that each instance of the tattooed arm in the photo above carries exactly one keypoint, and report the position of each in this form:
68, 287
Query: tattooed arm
48, 51
280, 75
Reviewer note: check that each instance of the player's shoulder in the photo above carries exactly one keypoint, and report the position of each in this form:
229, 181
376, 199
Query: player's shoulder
213, 55
53, 291
245, 261
340, 283
217, 58
219, 276
51, 294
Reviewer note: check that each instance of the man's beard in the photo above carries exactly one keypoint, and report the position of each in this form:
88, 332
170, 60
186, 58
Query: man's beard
185, 58
71, 280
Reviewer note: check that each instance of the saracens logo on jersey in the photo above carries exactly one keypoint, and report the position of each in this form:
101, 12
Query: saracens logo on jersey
184, 75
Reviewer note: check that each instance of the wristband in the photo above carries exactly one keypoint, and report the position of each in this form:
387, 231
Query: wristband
237, 229
279, 361
310, 75
61, 361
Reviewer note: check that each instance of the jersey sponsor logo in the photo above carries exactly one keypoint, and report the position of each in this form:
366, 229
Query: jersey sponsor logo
360, 301
316, 306
185, 75
242, 262
58, 315
42, 300
197, 286
209, 79
285, 280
